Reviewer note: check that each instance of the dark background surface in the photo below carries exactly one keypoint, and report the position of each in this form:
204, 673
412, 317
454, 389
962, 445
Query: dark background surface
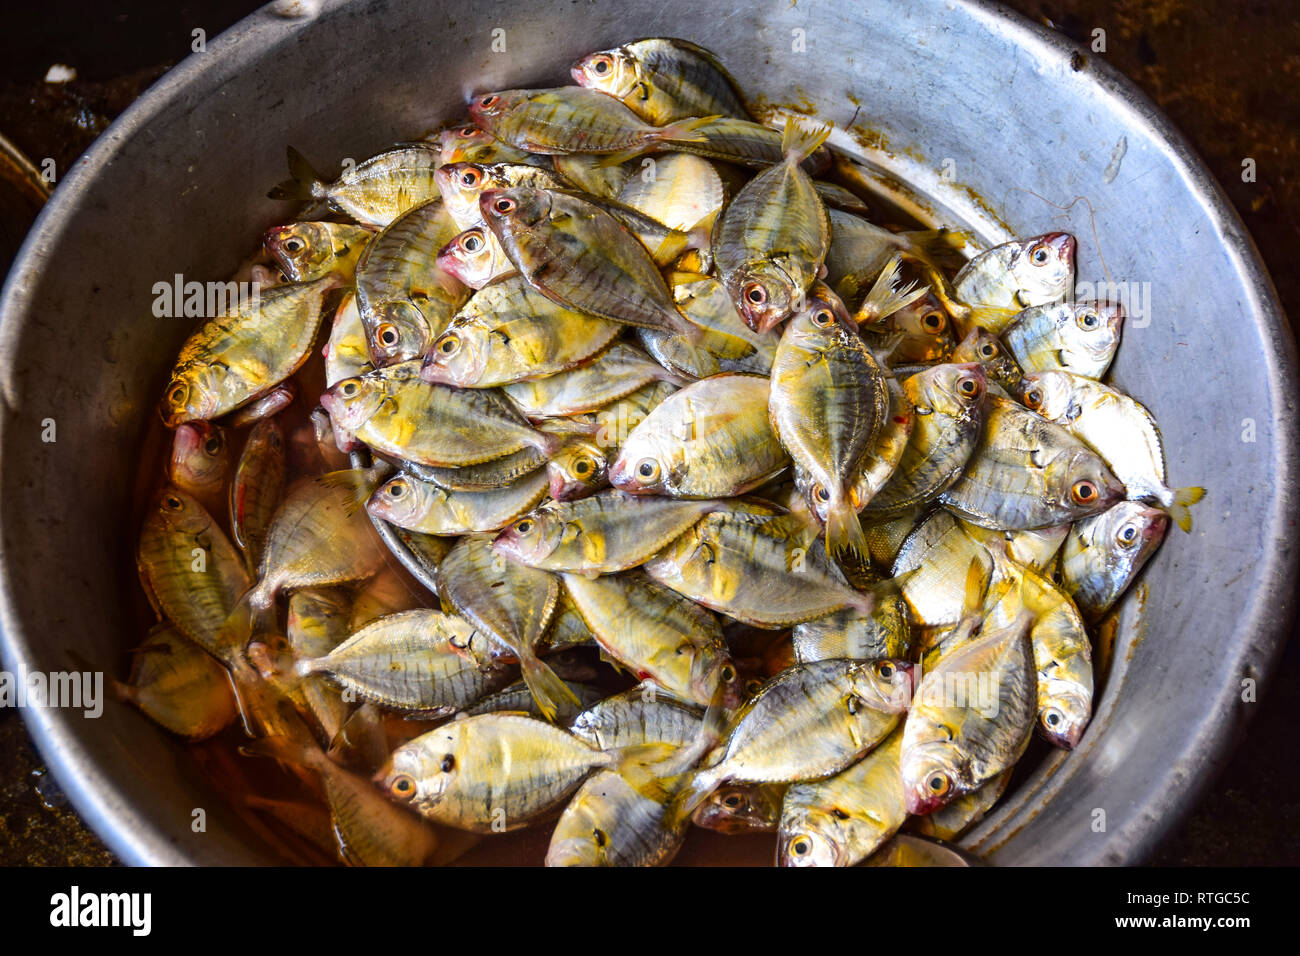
1226, 73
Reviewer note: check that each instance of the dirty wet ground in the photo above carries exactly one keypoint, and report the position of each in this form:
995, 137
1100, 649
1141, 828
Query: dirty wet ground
1227, 74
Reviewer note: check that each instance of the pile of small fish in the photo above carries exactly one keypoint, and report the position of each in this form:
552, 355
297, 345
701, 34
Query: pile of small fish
738, 508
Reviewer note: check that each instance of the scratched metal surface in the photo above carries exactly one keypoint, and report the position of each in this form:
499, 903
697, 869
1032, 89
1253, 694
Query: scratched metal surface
1052, 149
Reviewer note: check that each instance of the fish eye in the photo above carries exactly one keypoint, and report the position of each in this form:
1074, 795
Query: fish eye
933, 322
602, 65
504, 205
403, 786
728, 673
488, 101
732, 800
885, 670
173, 503
349, 389
754, 293
582, 467
647, 470
968, 387
448, 763
524, 525
801, 846
753, 686
938, 784
988, 350
472, 242
1128, 534
823, 318
396, 488
387, 334
213, 445
1039, 254
469, 131
1083, 492
839, 814
178, 394
1088, 320
449, 344
821, 494
471, 177
294, 245
1033, 398
1053, 718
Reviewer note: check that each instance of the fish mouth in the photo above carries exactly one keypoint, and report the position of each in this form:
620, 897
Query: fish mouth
187, 440
1153, 530
562, 489
1115, 492
448, 260
433, 373
621, 477
920, 803
507, 545
1064, 244
442, 179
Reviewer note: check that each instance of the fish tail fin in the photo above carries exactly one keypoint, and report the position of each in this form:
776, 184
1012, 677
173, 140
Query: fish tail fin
701, 239
680, 136
962, 314
992, 318
685, 131
1179, 509
799, 142
355, 484
845, 542
239, 626
1036, 597
723, 344
939, 248
292, 745
973, 597
885, 297
305, 183
545, 685
694, 793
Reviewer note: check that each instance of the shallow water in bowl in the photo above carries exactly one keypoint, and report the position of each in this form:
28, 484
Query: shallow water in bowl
893, 201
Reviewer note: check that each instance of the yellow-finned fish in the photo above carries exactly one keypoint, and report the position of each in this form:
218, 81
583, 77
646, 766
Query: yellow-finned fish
654, 633
662, 80
375, 191
507, 333
771, 240
305, 251
1080, 337
1103, 554
827, 404
1027, 472
1119, 429
237, 357
512, 604
404, 297
178, 685
573, 119
843, 819
711, 439
491, 772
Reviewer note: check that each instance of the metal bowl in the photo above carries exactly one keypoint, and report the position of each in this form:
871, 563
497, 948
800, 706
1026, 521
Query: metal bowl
975, 109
